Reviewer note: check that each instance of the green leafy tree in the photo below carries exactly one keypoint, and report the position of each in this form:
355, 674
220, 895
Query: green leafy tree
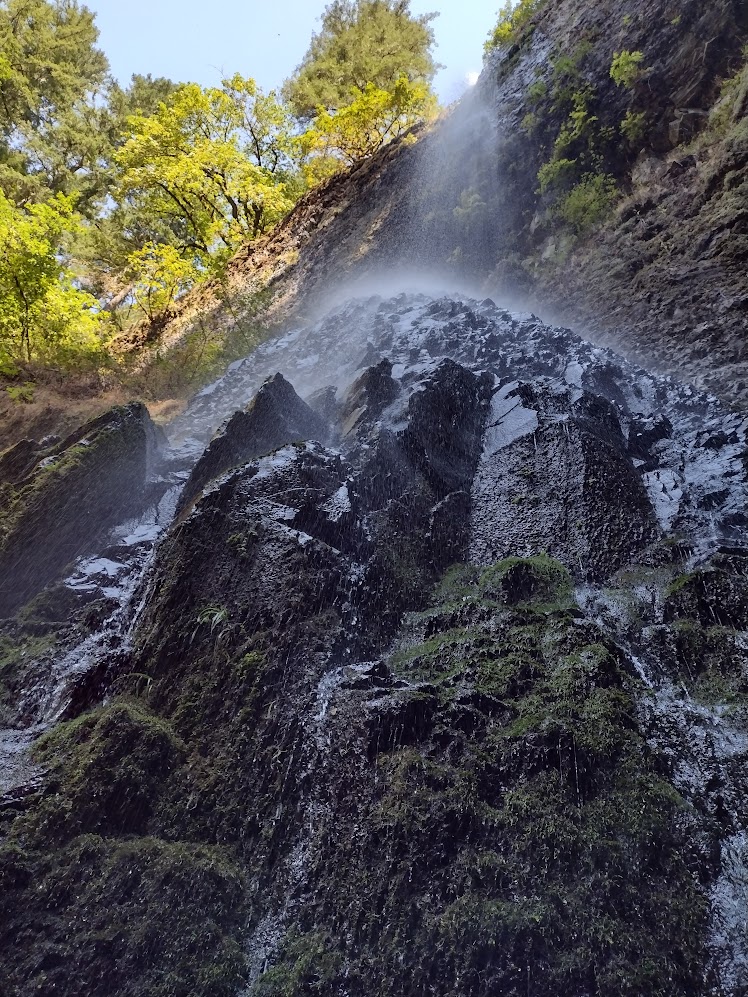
104, 246
358, 129
361, 42
143, 96
52, 81
213, 165
159, 274
44, 316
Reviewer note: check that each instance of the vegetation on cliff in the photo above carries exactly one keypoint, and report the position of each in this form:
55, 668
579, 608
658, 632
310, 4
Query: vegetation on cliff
115, 202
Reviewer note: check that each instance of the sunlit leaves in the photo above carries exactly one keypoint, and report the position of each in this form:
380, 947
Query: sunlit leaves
361, 42
51, 79
373, 118
159, 274
214, 163
43, 315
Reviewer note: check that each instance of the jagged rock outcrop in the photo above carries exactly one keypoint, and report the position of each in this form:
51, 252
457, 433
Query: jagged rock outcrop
450, 700
60, 498
275, 416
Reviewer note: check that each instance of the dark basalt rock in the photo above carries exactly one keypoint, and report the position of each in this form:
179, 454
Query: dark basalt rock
62, 500
715, 595
274, 417
368, 397
445, 426
437, 703
19, 460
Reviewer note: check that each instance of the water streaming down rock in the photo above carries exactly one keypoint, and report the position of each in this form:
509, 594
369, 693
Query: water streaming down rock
375, 769
418, 666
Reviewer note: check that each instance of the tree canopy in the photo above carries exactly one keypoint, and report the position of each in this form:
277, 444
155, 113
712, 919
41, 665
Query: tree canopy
43, 315
51, 78
361, 42
116, 199
372, 118
214, 164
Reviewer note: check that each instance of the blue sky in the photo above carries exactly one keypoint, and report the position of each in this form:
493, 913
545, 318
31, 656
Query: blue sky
200, 41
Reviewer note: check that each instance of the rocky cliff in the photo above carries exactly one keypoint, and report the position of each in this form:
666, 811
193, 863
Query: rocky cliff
413, 659
656, 270
435, 683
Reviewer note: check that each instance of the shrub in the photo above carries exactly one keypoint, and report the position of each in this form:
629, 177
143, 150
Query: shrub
588, 202
626, 68
634, 126
555, 173
513, 19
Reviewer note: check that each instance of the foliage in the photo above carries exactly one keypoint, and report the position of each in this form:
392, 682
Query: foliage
43, 315
204, 350
578, 124
373, 118
117, 199
22, 393
159, 274
555, 173
361, 42
588, 202
213, 164
626, 68
51, 79
727, 116
513, 20
634, 126
469, 208
537, 91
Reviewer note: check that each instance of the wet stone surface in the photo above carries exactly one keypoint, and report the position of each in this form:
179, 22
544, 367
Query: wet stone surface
432, 681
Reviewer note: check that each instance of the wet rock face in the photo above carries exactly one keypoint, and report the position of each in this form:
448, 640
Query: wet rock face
60, 500
276, 415
437, 683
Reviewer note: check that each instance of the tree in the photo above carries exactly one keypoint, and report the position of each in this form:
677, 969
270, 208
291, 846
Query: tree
373, 118
213, 165
104, 246
52, 79
159, 274
361, 42
43, 315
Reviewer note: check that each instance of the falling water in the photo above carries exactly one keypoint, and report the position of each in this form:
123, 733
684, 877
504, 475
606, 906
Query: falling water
538, 378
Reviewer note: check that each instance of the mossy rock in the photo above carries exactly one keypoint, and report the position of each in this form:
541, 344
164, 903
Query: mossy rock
142, 918
540, 582
109, 766
70, 497
710, 661
715, 595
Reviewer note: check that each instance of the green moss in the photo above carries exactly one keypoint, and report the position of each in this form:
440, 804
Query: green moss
306, 964
533, 816
680, 583
109, 766
22, 657
537, 582
144, 917
17, 651
709, 661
